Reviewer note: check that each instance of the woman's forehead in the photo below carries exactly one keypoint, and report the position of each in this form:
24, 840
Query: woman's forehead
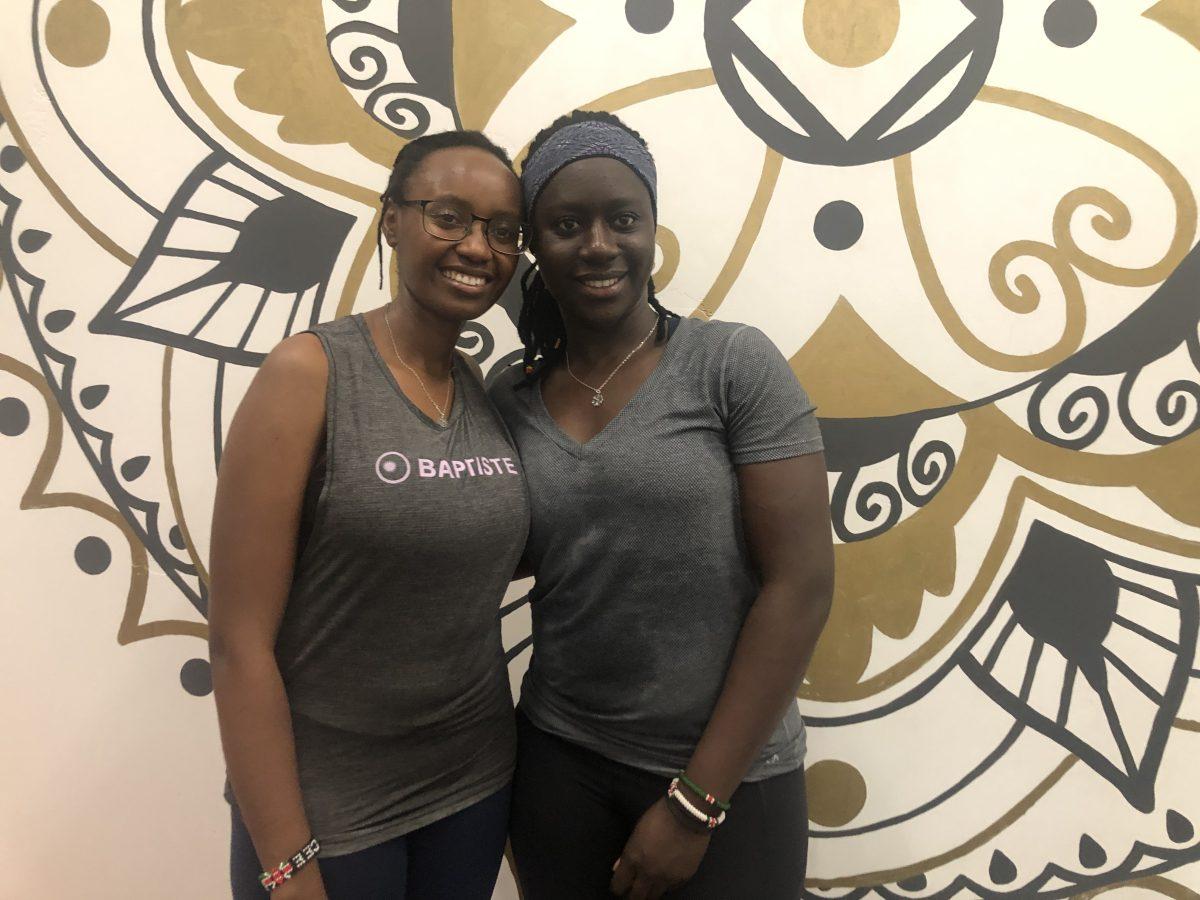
469, 173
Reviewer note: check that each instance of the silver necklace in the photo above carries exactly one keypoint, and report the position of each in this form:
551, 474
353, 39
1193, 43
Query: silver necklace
443, 418
598, 392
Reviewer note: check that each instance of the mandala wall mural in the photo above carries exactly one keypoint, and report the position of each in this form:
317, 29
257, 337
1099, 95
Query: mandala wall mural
970, 225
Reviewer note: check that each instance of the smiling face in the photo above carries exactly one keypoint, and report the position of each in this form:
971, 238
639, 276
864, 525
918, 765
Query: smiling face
455, 280
593, 235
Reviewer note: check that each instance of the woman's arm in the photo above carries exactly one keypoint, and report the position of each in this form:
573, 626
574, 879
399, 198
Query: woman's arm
260, 487
785, 516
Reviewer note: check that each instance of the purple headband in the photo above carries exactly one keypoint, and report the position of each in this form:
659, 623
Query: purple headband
584, 140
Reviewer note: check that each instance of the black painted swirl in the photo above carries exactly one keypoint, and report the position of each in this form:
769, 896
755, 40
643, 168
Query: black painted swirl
368, 64
1082, 417
1172, 404
407, 114
1176, 402
877, 502
931, 467
477, 340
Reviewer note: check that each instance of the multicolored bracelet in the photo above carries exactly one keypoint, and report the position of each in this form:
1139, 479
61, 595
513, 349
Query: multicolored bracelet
708, 798
710, 822
286, 869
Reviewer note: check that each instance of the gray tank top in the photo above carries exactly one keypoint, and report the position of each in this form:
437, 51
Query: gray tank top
390, 644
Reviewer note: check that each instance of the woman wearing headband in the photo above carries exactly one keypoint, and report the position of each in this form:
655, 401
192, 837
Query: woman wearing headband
681, 545
369, 514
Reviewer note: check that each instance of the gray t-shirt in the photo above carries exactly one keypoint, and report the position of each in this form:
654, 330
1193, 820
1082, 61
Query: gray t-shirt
390, 646
642, 575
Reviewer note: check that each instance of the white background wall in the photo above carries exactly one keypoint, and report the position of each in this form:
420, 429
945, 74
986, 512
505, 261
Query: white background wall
930, 775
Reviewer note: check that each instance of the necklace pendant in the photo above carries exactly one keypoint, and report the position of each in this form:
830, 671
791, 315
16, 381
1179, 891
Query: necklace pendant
597, 398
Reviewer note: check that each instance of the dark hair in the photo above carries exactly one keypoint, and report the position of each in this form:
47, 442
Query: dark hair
409, 159
540, 325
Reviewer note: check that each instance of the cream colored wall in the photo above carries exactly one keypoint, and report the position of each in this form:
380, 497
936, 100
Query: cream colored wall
993, 297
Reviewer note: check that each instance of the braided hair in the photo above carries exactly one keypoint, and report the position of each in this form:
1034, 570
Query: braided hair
409, 159
540, 324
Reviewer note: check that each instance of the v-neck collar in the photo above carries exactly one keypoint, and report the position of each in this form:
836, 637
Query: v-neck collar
456, 402
555, 432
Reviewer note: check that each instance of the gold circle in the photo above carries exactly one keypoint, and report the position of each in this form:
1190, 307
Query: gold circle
851, 33
668, 243
77, 33
836, 792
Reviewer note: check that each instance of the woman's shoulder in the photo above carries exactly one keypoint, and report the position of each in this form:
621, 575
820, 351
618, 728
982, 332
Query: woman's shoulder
297, 358
721, 340
333, 328
721, 331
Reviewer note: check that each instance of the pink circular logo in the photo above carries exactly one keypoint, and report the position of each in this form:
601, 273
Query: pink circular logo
393, 467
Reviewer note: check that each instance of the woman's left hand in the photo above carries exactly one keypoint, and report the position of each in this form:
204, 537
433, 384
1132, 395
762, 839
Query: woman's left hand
661, 854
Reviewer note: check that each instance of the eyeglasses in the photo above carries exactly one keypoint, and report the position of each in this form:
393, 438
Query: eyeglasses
448, 220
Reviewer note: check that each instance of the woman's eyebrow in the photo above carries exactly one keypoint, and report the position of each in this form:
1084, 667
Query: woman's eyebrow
512, 211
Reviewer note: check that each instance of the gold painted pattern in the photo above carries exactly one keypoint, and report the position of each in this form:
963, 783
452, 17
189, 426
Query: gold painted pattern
494, 45
1064, 257
668, 243
1023, 489
974, 842
286, 71
77, 33
851, 33
1181, 17
181, 32
35, 496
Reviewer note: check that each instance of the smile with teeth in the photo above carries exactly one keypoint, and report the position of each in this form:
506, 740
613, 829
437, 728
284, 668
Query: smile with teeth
601, 282
464, 278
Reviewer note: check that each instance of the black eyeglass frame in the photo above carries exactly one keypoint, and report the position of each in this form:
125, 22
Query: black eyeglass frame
523, 243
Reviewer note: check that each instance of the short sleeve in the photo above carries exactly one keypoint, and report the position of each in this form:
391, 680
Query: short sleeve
768, 415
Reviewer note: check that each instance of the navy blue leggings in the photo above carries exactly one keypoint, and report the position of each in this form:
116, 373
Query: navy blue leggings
455, 858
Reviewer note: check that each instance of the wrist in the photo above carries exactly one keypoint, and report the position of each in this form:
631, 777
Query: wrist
277, 876
708, 817
684, 820
700, 794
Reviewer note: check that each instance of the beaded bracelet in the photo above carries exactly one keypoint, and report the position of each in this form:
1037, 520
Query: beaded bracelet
675, 794
708, 798
685, 820
286, 869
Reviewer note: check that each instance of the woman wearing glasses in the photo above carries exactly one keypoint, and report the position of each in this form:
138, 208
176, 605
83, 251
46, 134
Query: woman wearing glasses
369, 514
681, 545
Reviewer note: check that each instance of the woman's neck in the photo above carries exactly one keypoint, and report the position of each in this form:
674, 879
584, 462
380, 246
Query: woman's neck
591, 346
423, 340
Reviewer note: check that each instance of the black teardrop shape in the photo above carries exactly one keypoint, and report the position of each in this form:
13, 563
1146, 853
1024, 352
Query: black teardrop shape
59, 319
93, 396
32, 240
1091, 854
1002, 870
175, 536
1179, 829
916, 883
131, 469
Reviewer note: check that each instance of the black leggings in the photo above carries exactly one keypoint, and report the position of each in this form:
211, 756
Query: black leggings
455, 858
573, 810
